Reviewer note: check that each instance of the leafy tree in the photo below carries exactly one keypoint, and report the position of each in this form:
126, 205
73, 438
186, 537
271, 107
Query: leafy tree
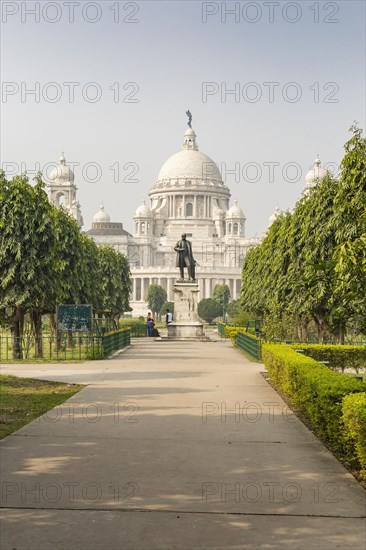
156, 297
27, 254
115, 282
221, 294
233, 309
350, 204
237, 316
209, 309
309, 272
45, 260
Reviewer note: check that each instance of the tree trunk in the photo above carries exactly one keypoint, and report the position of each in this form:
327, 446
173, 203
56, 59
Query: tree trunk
36, 317
17, 324
341, 333
53, 322
54, 330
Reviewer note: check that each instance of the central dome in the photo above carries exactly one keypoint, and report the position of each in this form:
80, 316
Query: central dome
189, 163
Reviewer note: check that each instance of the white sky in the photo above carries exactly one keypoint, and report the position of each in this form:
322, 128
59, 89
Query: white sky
169, 50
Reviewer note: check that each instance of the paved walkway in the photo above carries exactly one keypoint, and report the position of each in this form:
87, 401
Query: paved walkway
173, 446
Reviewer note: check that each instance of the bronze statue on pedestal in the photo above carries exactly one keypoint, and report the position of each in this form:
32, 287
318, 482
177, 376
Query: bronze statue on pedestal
185, 258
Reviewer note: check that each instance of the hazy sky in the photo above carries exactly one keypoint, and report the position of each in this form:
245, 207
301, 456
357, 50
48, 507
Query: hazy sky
113, 80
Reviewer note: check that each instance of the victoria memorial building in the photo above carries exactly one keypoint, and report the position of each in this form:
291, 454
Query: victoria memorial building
189, 197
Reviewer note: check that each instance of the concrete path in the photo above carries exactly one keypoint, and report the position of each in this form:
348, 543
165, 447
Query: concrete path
173, 446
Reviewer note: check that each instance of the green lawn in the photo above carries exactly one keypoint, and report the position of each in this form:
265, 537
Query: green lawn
24, 399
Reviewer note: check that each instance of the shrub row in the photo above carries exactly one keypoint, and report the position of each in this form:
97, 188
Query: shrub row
232, 332
137, 326
315, 389
339, 357
354, 418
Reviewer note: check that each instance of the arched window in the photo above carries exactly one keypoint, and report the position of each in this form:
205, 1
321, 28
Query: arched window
60, 200
137, 227
189, 209
235, 228
142, 228
229, 228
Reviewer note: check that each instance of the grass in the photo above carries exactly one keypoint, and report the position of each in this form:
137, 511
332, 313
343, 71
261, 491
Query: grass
24, 399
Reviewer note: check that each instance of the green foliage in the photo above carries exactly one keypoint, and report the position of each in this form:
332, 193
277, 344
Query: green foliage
232, 333
339, 357
309, 273
209, 309
45, 260
156, 297
221, 295
233, 309
314, 388
354, 419
137, 326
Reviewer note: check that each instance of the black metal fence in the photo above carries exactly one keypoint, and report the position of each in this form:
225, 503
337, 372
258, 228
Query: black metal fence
65, 347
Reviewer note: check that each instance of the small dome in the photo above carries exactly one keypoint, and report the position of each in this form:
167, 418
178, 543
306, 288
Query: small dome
235, 211
101, 216
62, 172
274, 216
190, 132
316, 174
143, 211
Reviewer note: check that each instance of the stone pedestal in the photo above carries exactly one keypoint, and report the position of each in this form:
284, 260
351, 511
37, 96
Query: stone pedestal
186, 325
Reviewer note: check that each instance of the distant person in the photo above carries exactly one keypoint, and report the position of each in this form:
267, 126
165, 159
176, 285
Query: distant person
168, 317
149, 324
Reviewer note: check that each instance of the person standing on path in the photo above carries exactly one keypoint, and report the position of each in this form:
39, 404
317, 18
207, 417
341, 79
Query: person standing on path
168, 317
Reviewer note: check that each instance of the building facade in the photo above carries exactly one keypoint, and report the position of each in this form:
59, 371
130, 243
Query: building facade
189, 196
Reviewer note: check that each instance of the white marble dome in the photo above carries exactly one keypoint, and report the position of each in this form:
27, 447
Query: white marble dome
235, 211
316, 174
101, 216
143, 211
189, 164
62, 172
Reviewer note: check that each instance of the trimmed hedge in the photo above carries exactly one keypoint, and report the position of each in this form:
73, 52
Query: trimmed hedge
314, 388
339, 357
136, 325
354, 418
232, 332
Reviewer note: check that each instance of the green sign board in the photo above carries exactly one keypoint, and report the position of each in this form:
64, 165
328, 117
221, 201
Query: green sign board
74, 318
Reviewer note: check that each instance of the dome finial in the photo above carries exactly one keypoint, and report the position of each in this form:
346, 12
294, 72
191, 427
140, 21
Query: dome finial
62, 158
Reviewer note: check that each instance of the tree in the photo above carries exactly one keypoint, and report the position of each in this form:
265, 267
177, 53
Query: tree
156, 297
45, 260
27, 254
115, 282
221, 295
309, 272
350, 204
237, 315
209, 309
